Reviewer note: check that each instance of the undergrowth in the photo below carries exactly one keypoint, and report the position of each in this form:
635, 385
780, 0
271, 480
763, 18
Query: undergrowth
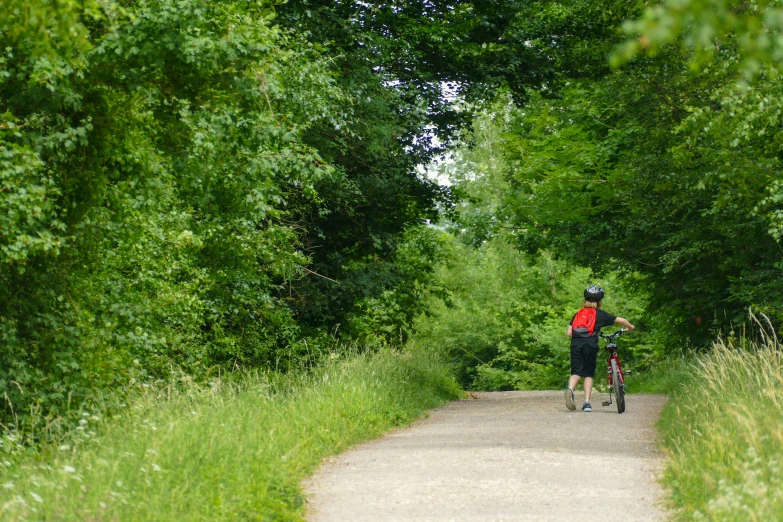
663, 376
235, 450
723, 433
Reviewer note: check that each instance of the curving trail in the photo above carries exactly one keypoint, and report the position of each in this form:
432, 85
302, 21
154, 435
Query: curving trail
504, 456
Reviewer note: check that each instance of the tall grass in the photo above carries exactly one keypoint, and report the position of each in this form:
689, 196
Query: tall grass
232, 451
723, 431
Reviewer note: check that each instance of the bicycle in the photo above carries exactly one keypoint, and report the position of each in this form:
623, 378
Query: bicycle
615, 370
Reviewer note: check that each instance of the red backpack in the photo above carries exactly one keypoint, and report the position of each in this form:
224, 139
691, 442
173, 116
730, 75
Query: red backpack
584, 323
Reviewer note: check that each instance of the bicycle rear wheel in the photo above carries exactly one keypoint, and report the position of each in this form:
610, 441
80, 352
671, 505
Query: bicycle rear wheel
619, 389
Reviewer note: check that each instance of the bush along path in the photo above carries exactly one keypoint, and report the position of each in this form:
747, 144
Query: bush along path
505, 456
233, 451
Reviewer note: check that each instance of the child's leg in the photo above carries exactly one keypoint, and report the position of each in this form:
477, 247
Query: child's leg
591, 355
569, 394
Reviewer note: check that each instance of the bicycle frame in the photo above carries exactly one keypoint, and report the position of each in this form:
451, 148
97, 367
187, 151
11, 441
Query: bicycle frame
611, 347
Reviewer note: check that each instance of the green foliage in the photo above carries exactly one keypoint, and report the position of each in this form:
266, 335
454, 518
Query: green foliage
722, 431
505, 318
505, 315
54, 29
200, 186
503, 323
704, 27
470, 48
411, 280
174, 178
28, 225
144, 184
657, 172
665, 375
237, 448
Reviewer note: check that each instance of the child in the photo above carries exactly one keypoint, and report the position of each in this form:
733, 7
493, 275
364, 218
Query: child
584, 329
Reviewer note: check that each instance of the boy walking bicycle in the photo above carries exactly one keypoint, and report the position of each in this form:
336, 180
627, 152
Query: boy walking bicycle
584, 330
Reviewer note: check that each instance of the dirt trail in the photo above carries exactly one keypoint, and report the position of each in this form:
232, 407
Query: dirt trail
504, 456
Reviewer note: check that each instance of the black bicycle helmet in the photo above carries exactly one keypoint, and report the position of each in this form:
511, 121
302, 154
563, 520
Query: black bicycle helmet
594, 294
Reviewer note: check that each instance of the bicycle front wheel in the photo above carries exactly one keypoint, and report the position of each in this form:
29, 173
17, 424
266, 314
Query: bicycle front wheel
619, 389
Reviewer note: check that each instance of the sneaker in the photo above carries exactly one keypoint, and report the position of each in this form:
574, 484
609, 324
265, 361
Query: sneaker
569, 397
586, 407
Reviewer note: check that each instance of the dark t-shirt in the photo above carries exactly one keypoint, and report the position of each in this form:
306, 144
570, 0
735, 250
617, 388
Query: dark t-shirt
601, 319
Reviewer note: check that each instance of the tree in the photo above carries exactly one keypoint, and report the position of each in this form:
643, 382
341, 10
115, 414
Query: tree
653, 170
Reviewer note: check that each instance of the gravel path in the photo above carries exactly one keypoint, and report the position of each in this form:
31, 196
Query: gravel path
503, 456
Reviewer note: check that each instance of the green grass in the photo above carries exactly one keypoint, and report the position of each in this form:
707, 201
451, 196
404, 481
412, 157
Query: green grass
664, 376
232, 451
723, 433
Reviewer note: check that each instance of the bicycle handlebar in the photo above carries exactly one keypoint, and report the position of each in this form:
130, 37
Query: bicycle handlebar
615, 335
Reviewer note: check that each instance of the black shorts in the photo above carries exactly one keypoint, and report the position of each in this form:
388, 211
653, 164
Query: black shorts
583, 358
